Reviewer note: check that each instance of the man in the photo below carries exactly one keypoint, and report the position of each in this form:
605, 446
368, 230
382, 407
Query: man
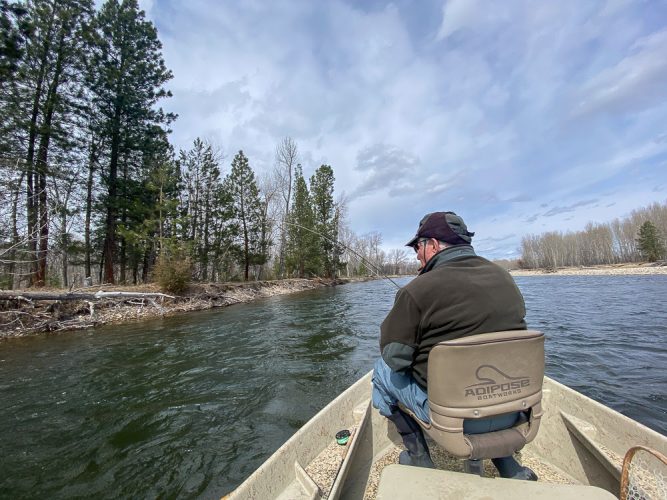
456, 294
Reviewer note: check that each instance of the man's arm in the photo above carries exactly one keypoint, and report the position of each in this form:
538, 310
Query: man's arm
399, 332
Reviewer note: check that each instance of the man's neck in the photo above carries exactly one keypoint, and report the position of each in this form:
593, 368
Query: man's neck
448, 254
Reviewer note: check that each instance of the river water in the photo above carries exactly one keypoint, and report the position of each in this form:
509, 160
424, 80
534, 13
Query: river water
189, 406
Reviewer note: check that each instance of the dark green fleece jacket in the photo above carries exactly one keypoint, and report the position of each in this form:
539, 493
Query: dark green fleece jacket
457, 294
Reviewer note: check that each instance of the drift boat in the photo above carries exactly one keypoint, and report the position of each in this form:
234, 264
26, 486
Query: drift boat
578, 453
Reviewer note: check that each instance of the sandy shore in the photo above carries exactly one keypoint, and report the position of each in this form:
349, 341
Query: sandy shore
617, 269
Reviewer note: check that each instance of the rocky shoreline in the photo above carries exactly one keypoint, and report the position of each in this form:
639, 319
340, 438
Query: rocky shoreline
608, 270
21, 315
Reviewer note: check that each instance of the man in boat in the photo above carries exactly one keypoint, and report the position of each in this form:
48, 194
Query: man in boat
456, 294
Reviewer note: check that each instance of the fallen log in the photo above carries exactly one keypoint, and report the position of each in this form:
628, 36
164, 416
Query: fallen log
23, 295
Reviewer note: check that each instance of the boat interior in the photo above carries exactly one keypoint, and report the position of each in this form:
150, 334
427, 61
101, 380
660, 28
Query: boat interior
577, 452
575, 445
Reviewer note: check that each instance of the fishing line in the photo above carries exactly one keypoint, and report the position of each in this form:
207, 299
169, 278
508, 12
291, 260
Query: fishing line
335, 242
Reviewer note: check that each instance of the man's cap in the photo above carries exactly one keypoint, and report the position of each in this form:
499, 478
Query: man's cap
443, 226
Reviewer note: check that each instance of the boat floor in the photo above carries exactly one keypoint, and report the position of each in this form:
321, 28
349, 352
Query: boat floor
324, 468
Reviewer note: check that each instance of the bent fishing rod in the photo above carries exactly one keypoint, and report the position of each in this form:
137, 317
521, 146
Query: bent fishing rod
335, 242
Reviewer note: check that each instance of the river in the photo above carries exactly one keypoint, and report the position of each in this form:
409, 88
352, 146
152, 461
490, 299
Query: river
189, 406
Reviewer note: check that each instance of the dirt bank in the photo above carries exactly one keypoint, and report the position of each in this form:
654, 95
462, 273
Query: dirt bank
22, 315
615, 269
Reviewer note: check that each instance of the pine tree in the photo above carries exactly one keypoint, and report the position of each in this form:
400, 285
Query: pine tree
248, 213
40, 109
301, 250
326, 219
650, 242
14, 29
126, 75
201, 178
147, 204
224, 232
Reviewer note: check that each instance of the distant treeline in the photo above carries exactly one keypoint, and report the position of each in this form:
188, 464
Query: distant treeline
639, 237
92, 191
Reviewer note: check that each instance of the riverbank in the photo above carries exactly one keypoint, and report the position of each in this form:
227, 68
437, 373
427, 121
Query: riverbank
614, 269
22, 315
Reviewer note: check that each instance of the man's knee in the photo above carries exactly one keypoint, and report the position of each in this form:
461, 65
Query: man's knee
381, 369
383, 399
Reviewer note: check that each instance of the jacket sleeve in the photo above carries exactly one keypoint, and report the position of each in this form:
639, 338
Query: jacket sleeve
399, 332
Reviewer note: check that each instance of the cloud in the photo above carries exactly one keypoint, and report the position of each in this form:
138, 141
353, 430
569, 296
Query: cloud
520, 198
637, 81
385, 167
497, 111
500, 238
456, 15
146, 5
467, 14
569, 208
439, 183
617, 161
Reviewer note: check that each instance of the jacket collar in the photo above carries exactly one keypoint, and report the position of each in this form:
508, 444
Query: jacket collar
448, 254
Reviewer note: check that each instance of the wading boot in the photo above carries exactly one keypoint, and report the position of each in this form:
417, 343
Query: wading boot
509, 468
473, 466
417, 450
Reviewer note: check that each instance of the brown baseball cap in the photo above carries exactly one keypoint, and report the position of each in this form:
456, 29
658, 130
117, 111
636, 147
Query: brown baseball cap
443, 226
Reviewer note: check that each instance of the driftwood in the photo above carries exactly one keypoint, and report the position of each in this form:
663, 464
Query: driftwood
30, 296
60, 311
26, 312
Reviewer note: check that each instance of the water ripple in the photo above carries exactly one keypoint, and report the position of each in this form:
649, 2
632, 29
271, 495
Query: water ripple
190, 406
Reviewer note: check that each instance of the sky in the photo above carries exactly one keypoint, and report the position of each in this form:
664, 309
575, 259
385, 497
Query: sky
521, 116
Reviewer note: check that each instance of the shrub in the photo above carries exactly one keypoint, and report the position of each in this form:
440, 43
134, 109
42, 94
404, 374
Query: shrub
172, 272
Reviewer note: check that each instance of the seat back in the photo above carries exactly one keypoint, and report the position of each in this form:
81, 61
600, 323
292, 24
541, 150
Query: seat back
483, 376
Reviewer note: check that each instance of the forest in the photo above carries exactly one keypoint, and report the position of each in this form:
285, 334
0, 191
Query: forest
91, 190
639, 237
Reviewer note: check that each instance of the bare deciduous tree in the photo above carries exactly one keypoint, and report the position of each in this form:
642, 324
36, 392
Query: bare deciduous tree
397, 257
597, 244
287, 154
269, 189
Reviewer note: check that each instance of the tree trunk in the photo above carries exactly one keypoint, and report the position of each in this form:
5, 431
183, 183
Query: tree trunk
146, 265
42, 168
205, 236
15, 232
30, 156
263, 237
135, 270
123, 219
43, 229
42, 160
246, 246
89, 205
123, 259
64, 246
110, 237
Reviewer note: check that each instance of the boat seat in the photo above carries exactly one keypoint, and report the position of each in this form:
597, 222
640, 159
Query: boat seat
472, 379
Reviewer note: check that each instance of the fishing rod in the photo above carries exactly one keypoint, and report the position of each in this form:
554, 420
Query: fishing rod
377, 270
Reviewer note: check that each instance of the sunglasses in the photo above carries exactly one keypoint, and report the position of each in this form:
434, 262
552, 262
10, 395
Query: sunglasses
419, 242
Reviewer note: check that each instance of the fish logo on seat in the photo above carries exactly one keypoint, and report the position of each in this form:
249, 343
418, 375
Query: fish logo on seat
494, 383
